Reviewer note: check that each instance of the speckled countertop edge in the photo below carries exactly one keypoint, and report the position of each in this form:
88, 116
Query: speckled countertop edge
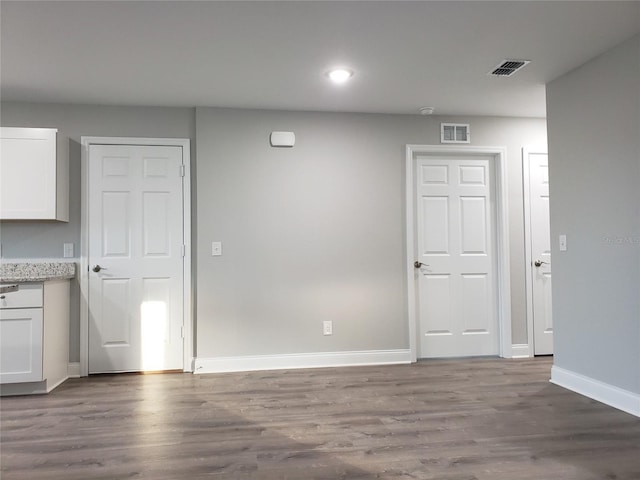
11, 272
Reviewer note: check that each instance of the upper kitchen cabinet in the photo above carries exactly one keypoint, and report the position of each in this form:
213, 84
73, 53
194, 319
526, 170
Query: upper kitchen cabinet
34, 182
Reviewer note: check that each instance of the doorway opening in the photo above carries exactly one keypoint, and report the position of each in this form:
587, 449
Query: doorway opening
457, 251
135, 264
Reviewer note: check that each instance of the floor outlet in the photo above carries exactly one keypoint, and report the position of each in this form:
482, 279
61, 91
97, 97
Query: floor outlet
327, 327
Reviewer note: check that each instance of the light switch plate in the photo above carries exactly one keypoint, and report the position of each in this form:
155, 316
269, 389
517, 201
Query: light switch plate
563, 243
68, 250
216, 249
327, 327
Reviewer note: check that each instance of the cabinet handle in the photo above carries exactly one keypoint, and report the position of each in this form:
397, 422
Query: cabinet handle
2, 297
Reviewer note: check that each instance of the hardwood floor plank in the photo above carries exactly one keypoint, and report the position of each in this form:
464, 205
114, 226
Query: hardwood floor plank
475, 419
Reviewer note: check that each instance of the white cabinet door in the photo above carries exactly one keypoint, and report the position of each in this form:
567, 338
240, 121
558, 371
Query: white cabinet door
456, 245
21, 345
32, 181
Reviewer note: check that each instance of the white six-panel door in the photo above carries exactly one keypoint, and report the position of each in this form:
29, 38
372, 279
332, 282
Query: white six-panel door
135, 244
455, 242
540, 248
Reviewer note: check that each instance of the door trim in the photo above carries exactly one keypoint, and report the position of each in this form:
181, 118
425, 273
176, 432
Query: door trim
499, 155
185, 143
528, 259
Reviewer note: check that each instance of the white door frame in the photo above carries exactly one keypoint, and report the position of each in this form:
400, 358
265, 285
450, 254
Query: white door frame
84, 241
528, 258
499, 155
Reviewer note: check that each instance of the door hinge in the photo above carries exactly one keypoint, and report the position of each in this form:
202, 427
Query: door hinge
182, 170
184, 250
182, 332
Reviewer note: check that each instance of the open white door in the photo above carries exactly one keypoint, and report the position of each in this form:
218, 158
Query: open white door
135, 258
538, 252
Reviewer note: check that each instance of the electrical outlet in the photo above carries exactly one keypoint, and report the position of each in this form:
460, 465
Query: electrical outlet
68, 250
327, 327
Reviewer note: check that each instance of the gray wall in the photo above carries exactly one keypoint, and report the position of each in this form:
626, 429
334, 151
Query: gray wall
35, 240
311, 233
594, 155
316, 232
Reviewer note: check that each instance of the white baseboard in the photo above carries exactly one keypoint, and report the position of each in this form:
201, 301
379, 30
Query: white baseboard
73, 369
520, 350
29, 388
301, 360
51, 386
602, 392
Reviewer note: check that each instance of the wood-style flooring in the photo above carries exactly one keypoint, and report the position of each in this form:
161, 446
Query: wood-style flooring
474, 419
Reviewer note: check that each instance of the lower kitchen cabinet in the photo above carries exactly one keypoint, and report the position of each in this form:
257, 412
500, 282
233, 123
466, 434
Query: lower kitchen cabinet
34, 337
21, 345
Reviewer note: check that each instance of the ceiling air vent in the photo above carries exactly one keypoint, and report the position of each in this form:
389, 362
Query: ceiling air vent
508, 67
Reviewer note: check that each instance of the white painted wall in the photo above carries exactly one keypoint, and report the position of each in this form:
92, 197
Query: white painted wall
594, 158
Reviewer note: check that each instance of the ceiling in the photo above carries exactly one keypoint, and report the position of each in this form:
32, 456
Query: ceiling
274, 55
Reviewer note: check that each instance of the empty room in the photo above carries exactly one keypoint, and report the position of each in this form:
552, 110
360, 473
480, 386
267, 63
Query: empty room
320, 240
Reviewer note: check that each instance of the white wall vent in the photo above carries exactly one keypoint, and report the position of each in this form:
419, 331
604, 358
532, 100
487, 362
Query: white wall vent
455, 133
508, 67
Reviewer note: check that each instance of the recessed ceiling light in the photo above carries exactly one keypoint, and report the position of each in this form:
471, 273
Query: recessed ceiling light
339, 75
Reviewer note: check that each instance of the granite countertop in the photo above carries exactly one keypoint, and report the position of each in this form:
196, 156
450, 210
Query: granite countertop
36, 271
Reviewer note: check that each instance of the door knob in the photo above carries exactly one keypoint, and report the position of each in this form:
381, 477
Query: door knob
418, 264
538, 263
97, 268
